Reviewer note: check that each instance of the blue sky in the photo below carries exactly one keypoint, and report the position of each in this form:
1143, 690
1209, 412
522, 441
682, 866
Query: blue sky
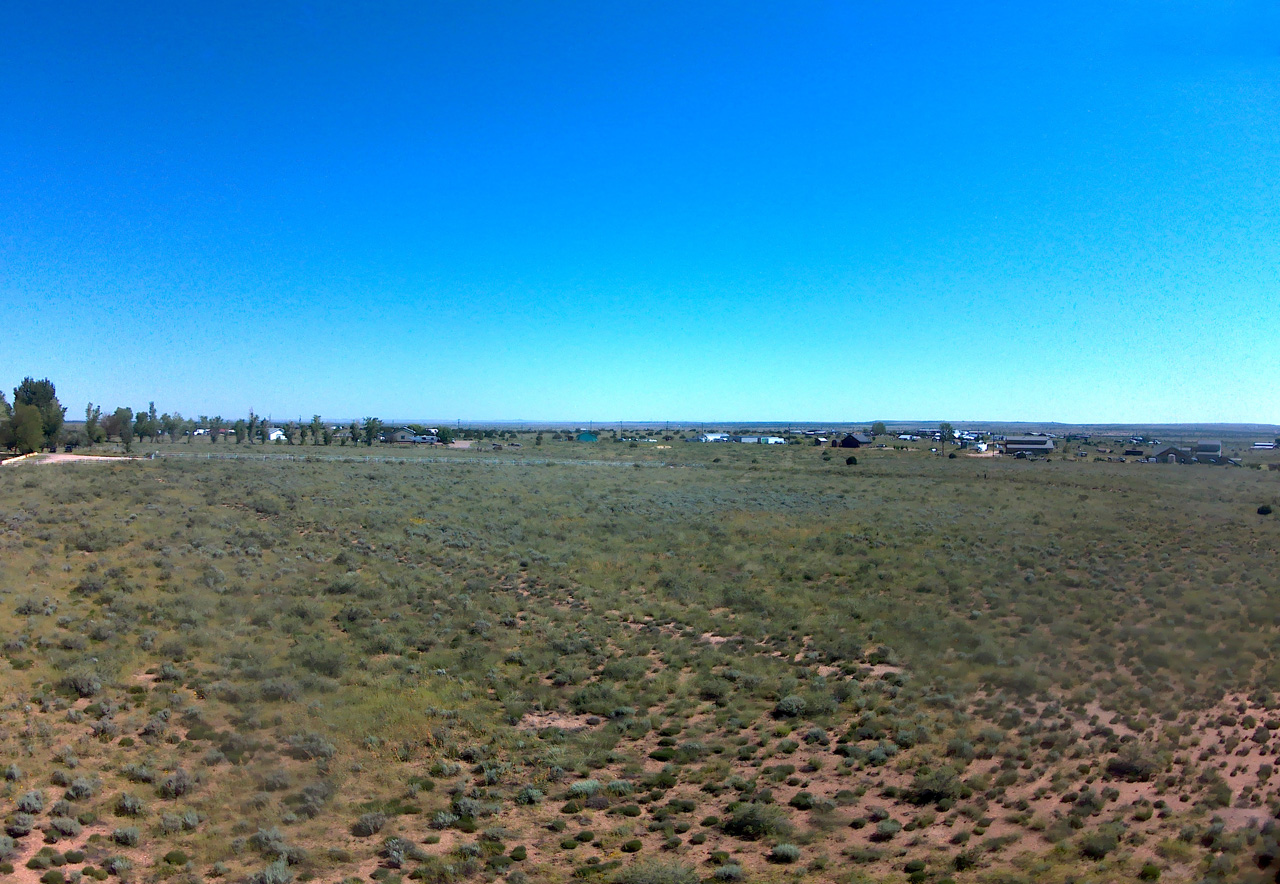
707, 211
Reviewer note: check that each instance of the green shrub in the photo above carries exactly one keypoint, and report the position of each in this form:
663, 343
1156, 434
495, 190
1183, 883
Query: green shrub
886, 830
790, 706
64, 827
277, 872
176, 784
31, 802
584, 789
129, 805
127, 836
784, 853
934, 785
529, 795
117, 865
656, 872
1097, 844
368, 824
751, 822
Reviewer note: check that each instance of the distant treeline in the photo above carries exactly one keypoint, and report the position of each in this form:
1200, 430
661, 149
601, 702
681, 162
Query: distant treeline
36, 421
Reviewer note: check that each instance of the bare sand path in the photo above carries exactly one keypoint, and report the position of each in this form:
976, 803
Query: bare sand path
65, 458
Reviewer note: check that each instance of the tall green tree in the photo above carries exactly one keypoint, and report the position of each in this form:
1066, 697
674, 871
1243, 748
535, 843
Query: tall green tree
126, 427
372, 427
947, 432
353, 430
317, 429
171, 424
878, 428
241, 429
92, 424
44, 397
120, 424
28, 428
6, 423
143, 428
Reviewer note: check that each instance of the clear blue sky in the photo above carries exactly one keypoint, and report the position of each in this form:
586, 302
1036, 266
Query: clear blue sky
719, 211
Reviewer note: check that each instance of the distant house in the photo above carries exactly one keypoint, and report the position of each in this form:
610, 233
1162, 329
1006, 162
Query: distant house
856, 440
275, 434
1209, 451
1172, 454
406, 436
772, 440
1027, 445
752, 440
714, 437
588, 437
1264, 446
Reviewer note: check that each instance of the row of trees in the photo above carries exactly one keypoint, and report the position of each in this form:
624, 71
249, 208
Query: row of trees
36, 420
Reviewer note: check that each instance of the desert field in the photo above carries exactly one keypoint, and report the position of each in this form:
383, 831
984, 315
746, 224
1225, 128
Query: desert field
619, 663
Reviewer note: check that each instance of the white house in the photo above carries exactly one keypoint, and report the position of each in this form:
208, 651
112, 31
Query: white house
275, 434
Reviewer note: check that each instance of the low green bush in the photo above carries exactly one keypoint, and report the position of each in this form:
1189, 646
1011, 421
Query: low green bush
785, 854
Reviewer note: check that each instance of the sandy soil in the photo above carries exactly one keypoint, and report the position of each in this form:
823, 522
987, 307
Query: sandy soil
66, 458
540, 720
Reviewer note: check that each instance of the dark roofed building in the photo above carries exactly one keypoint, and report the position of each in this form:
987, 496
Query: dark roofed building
1172, 454
1209, 451
856, 440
